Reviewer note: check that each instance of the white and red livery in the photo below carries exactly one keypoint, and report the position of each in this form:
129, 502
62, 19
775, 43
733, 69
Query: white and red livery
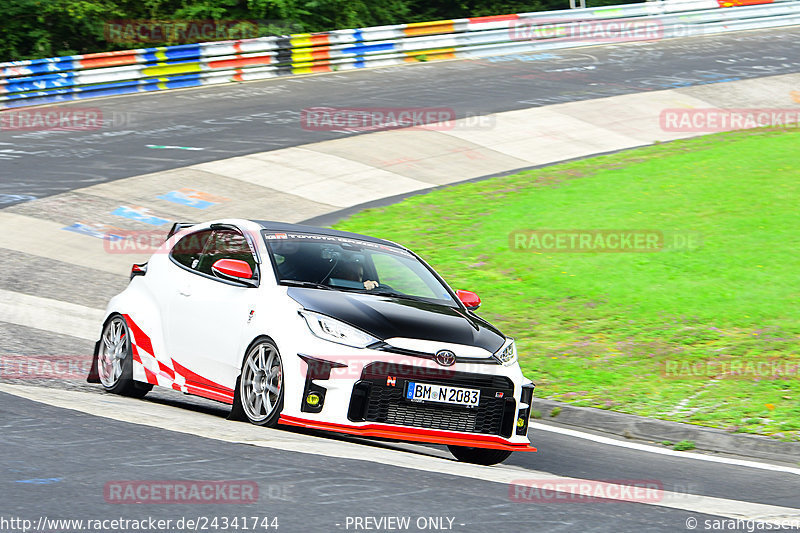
320, 329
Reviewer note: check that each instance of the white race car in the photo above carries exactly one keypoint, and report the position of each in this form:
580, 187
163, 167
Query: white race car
319, 329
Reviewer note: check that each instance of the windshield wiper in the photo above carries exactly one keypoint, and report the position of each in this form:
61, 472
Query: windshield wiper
299, 283
378, 291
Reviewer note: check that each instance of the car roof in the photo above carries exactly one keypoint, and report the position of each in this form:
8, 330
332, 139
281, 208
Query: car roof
285, 227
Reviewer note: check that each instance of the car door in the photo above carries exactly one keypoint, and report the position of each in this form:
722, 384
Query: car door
208, 317
185, 257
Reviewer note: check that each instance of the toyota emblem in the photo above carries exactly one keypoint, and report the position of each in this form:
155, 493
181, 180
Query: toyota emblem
445, 358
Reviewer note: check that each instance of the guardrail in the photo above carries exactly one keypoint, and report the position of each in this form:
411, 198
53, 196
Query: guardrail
59, 79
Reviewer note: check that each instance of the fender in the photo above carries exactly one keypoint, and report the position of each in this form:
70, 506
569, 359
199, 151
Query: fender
143, 320
94, 376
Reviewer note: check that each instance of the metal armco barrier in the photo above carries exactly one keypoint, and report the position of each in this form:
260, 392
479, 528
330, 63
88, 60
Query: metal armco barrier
60, 79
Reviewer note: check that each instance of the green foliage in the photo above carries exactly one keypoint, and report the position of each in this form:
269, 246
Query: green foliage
44, 28
423, 10
684, 445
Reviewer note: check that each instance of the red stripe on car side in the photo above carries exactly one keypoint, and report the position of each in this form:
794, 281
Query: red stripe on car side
195, 383
140, 337
200, 381
210, 394
151, 378
166, 370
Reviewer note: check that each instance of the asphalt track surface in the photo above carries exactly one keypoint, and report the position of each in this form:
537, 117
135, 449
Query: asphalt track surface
68, 475
55, 462
230, 120
333, 488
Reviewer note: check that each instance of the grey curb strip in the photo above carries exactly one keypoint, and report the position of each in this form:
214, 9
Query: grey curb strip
642, 427
329, 219
622, 424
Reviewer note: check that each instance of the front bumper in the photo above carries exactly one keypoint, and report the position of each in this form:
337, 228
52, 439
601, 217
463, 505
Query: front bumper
380, 396
371, 402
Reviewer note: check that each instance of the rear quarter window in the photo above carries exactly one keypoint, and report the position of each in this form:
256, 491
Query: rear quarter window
189, 249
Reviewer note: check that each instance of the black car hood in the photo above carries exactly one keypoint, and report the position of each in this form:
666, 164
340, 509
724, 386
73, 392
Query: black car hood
385, 317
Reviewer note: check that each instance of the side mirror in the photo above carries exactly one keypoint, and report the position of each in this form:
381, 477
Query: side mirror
233, 269
469, 299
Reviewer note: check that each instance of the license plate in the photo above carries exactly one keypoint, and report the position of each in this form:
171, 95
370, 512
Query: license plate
425, 392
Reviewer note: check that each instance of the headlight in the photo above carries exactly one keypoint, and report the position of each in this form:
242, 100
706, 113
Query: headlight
332, 330
508, 353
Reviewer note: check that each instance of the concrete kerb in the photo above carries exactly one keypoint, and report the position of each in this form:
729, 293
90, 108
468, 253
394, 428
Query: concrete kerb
327, 220
651, 429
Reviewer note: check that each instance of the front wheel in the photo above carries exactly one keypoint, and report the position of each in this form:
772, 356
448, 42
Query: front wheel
479, 456
115, 361
260, 388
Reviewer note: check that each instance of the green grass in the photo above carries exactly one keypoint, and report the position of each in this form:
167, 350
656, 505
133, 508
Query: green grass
599, 329
684, 445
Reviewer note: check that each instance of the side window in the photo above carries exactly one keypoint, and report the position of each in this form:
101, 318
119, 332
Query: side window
189, 249
225, 244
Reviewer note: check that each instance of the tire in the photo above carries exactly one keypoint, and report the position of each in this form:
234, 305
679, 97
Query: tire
479, 456
115, 360
260, 391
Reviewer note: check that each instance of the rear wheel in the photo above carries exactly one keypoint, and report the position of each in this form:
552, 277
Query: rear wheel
260, 389
479, 456
115, 361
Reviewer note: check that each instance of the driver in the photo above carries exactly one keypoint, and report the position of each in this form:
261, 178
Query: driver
354, 271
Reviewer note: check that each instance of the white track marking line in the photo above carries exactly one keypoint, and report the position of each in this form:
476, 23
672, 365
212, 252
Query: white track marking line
674, 453
50, 315
152, 414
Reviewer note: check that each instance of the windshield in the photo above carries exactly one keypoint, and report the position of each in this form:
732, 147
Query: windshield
338, 263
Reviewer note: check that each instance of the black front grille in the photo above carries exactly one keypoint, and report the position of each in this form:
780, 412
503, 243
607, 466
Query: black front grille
376, 400
427, 416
